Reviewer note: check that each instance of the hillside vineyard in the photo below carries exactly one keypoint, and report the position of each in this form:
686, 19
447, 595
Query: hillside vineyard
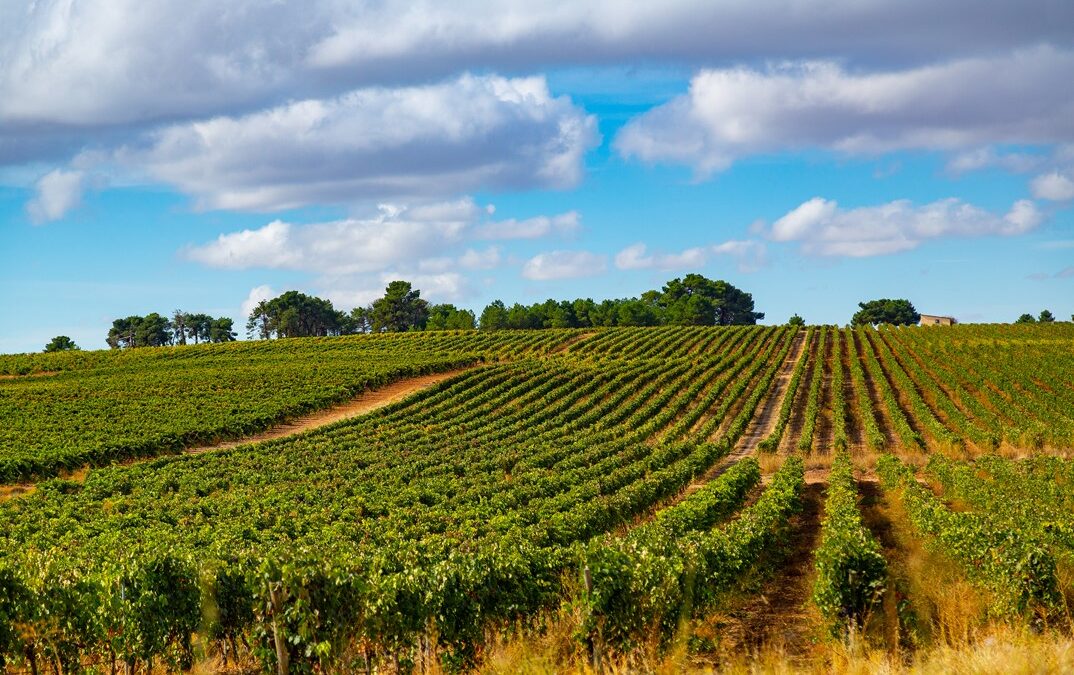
625, 481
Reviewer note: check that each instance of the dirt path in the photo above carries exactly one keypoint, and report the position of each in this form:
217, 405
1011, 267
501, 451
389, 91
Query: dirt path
43, 373
566, 346
365, 402
760, 426
779, 615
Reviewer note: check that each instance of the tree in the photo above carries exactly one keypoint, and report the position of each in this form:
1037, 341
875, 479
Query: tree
1046, 317
221, 330
61, 343
796, 321
259, 323
400, 309
636, 313
198, 326
179, 326
358, 321
494, 316
449, 317
697, 301
121, 334
152, 331
896, 312
294, 314
1026, 318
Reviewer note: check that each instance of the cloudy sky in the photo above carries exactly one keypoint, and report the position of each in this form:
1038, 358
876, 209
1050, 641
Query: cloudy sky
202, 156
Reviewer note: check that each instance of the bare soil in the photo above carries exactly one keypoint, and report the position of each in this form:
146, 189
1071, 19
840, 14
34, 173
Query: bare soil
779, 615
759, 427
365, 402
565, 346
43, 373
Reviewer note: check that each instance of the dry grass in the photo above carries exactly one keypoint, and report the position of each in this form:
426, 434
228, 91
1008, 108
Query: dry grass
1000, 650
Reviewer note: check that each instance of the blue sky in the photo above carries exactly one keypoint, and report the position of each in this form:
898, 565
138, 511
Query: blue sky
177, 158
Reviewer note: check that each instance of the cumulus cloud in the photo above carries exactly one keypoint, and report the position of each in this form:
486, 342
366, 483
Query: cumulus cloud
431, 245
350, 246
394, 35
556, 265
637, 257
256, 295
532, 228
435, 140
99, 62
988, 158
1054, 186
57, 192
730, 113
822, 228
749, 256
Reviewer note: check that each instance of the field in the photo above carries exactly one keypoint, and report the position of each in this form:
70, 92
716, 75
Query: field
620, 500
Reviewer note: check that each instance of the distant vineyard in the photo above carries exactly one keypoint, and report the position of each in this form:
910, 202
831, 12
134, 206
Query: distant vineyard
94, 408
606, 472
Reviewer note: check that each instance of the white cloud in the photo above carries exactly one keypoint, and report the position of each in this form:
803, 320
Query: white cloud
348, 293
730, 113
352, 246
822, 228
637, 257
987, 158
486, 259
1055, 186
98, 72
58, 192
424, 141
256, 295
563, 265
749, 255
531, 228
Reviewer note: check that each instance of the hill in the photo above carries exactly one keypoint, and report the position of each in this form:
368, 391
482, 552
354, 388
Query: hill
610, 498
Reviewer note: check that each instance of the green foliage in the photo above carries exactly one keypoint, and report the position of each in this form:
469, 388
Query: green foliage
1018, 570
851, 570
1026, 318
1046, 317
690, 301
113, 406
458, 508
812, 405
658, 574
61, 343
449, 317
771, 442
401, 309
896, 312
796, 321
295, 314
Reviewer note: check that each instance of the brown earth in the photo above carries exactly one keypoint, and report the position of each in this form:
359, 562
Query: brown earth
759, 427
43, 373
365, 402
779, 614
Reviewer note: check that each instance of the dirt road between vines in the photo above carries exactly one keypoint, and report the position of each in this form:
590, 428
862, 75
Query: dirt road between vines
365, 402
763, 422
362, 404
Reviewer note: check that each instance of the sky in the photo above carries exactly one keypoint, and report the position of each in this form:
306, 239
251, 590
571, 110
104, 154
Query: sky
203, 156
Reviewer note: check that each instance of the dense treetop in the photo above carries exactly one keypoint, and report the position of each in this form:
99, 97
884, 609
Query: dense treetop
895, 312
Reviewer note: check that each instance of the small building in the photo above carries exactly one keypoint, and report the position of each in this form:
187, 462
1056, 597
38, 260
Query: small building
932, 320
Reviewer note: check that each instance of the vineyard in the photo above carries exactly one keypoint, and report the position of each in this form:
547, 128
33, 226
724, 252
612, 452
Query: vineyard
623, 496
